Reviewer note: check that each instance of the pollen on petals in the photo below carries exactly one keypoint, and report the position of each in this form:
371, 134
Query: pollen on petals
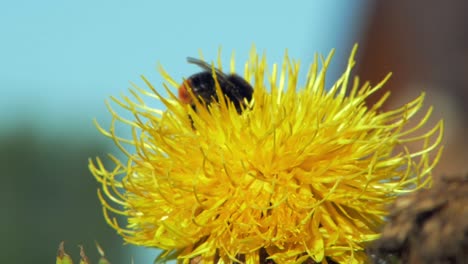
306, 172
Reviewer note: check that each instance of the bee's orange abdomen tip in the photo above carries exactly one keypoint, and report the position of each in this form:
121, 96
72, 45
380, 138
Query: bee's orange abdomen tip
184, 95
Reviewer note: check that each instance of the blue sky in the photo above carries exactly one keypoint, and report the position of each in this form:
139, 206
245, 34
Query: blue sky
59, 60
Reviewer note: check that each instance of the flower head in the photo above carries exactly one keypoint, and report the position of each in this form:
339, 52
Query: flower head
303, 172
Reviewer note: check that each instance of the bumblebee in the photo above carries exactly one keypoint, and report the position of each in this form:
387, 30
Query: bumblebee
203, 86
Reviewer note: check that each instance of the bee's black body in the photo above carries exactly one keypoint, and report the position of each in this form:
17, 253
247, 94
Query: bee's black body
203, 86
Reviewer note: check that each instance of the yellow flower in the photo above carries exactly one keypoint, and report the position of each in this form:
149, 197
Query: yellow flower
303, 172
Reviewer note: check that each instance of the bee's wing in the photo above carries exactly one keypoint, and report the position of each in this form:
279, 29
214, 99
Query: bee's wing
207, 67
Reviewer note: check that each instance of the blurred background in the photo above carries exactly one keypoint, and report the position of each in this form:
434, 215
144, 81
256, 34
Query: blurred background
60, 60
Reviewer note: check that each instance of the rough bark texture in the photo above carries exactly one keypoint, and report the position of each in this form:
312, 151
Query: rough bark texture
429, 226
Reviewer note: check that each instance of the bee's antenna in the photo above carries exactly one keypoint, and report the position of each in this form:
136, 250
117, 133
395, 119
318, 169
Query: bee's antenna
205, 66
199, 62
